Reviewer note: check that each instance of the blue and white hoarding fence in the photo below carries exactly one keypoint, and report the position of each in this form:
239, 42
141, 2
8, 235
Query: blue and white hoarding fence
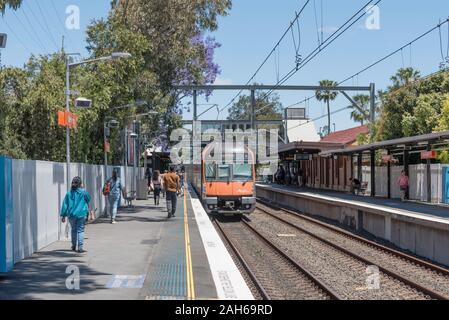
6, 216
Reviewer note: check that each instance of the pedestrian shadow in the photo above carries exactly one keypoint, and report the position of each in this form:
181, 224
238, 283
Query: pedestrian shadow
47, 273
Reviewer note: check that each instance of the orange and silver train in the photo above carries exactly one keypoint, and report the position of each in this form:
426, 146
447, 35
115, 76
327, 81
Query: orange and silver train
226, 186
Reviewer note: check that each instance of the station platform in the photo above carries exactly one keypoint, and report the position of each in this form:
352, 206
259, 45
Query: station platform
145, 256
426, 209
420, 229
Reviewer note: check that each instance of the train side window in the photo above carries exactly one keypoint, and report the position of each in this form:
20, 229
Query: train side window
210, 171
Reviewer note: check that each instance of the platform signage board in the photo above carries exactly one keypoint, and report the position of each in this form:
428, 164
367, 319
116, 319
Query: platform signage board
432, 154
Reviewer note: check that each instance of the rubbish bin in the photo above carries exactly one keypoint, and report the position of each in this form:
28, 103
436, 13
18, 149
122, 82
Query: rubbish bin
142, 189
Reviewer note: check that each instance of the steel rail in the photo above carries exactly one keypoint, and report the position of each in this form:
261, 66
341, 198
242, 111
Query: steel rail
393, 274
245, 265
329, 291
376, 245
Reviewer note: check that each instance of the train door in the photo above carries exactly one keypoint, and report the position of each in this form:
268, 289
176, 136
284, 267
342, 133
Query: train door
446, 185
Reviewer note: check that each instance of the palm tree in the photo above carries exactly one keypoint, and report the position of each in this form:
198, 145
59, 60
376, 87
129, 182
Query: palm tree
357, 115
327, 96
404, 76
14, 4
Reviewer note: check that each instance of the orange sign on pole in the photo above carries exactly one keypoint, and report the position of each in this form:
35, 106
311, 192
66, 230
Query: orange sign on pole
61, 119
71, 120
67, 119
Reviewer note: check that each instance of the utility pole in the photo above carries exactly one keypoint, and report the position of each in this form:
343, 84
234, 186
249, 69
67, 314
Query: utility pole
67, 134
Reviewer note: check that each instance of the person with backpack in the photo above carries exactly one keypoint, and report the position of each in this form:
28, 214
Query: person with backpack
156, 185
403, 184
172, 187
75, 207
113, 190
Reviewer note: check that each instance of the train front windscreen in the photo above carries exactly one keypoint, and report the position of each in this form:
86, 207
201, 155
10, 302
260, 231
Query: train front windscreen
228, 172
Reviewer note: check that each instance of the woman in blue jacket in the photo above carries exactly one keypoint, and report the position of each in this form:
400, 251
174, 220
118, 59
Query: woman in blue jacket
76, 208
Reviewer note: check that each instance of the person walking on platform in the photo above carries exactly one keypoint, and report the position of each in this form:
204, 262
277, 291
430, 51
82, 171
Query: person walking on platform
163, 186
156, 185
172, 187
76, 207
403, 184
181, 180
114, 195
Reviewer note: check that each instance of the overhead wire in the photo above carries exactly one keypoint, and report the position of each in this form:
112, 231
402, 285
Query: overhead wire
26, 4
35, 38
269, 54
316, 23
383, 58
17, 37
46, 24
59, 19
334, 36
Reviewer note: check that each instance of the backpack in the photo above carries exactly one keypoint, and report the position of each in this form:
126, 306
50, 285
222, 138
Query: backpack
107, 189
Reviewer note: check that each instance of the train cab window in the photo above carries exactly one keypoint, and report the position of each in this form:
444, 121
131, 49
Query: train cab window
210, 171
242, 172
224, 172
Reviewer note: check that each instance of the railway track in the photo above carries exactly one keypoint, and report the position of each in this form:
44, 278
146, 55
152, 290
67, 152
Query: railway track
430, 280
273, 272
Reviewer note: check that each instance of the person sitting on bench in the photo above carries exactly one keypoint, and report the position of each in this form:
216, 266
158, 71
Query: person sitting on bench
355, 185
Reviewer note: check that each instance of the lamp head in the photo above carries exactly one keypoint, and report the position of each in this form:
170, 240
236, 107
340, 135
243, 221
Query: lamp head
113, 123
119, 55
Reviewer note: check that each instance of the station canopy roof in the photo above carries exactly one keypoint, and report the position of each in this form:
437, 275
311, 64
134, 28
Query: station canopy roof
308, 147
392, 144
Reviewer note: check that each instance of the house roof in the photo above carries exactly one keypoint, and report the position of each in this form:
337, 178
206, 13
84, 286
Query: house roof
309, 146
346, 137
400, 143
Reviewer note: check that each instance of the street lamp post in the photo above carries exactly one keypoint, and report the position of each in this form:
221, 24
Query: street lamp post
136, 149
132, 135
107, 126
113, 56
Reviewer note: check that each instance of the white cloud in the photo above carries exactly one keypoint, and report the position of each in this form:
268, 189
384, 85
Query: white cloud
222, 82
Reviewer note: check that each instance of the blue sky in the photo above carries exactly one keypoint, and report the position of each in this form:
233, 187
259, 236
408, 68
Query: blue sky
250, 31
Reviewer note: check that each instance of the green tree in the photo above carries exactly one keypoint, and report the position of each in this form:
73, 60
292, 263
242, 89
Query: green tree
443, 122
267, 107
443, 157
167, 48
425, 115
404, 77
327, 96
414, 108
356, 114
13, 88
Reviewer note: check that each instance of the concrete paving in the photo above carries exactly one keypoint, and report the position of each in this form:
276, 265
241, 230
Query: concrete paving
441, 211
140, 257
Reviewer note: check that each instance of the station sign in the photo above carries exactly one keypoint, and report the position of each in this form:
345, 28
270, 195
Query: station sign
426, 155
300, 157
